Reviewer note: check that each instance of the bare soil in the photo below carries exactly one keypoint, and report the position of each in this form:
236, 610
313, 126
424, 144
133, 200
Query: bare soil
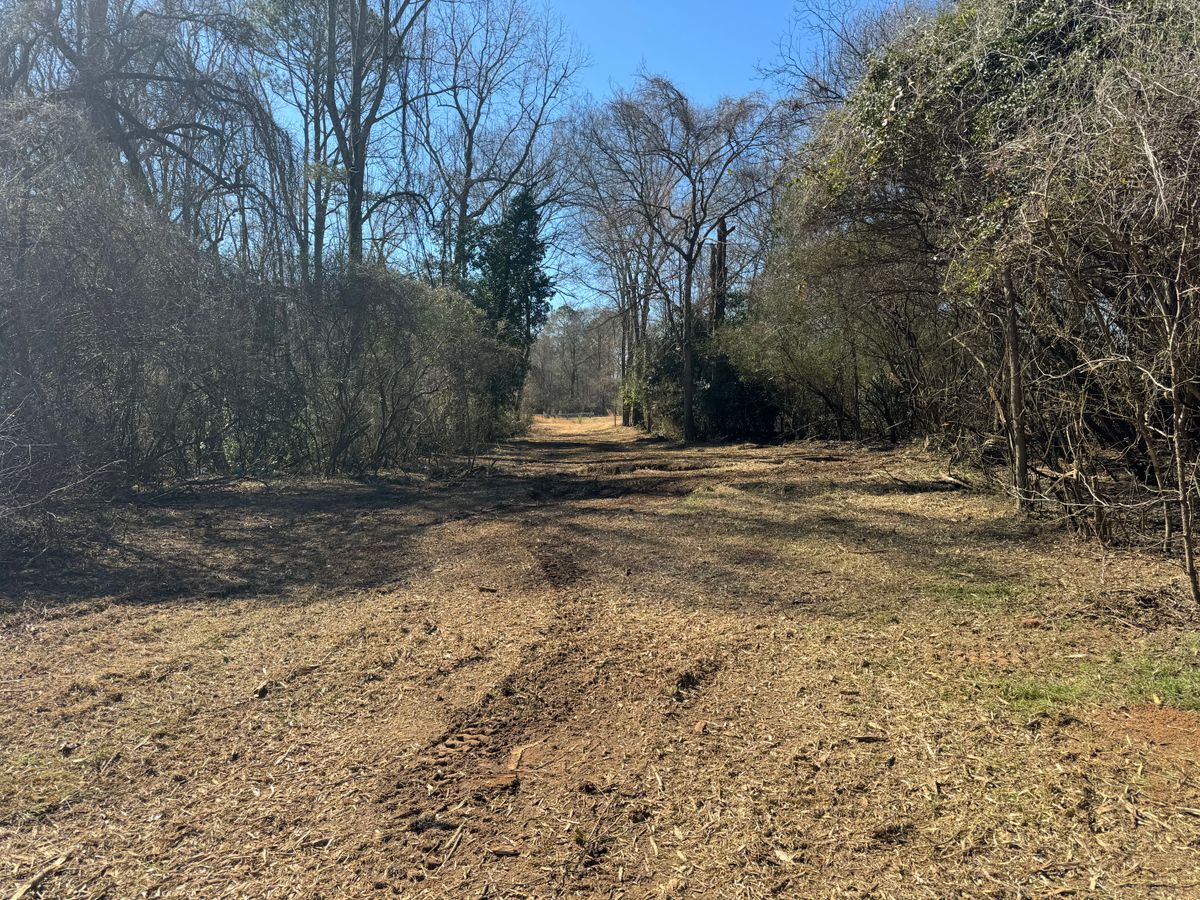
601, 666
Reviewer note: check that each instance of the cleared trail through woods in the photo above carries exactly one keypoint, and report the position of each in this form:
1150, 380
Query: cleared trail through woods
603, 666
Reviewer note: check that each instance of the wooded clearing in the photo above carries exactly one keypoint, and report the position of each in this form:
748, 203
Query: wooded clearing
600, 665
442, 457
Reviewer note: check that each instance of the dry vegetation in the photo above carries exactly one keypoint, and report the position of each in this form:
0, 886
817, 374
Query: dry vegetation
604, 666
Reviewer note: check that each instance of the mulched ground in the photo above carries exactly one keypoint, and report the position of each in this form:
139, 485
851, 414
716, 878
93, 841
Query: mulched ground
601, 666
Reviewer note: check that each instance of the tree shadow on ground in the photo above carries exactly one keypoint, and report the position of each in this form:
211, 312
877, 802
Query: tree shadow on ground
291, 540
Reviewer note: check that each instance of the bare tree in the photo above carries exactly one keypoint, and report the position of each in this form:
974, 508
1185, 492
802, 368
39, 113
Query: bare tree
369, 50
500, 78
684, 168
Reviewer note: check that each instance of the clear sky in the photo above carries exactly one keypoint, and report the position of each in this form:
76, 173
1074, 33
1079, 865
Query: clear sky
708, 48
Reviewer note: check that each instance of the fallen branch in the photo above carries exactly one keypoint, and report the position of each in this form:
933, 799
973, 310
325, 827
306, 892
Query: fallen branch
39, 877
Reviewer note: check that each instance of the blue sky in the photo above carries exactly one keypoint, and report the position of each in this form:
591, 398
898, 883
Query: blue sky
710, 49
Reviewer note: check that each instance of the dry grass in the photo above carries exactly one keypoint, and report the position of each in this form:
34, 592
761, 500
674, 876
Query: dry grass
606, 667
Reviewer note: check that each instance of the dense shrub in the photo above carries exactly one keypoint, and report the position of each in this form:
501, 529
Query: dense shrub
994, 241
129, 356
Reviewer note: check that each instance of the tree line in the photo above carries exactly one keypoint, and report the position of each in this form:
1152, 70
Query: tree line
267, 235
972, 223
995, 233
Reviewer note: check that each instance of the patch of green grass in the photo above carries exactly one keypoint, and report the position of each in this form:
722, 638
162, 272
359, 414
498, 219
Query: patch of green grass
1031, 694
973, 594
1170, 678
697, 501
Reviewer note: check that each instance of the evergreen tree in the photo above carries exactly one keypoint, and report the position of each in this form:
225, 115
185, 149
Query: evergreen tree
511, 286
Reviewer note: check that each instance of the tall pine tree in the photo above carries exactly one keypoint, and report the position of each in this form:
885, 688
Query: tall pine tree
511, 286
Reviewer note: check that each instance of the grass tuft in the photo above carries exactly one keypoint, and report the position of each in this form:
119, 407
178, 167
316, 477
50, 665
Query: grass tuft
1031, 694
972, 594
1169, 679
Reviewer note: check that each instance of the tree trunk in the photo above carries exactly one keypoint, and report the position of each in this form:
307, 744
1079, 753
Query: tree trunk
720, 273
354, 214
1186, 525
626, 411
1179, 444
1016, 397
689, 375
461, 250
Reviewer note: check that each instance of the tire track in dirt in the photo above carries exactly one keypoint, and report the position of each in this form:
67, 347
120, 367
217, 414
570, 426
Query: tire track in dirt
457, 785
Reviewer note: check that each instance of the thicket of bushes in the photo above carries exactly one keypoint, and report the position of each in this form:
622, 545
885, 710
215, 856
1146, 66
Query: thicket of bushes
129, 356
277, 236
987, 236
1035, 157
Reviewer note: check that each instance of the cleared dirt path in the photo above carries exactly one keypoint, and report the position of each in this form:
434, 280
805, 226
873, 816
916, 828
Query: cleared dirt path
602, 666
